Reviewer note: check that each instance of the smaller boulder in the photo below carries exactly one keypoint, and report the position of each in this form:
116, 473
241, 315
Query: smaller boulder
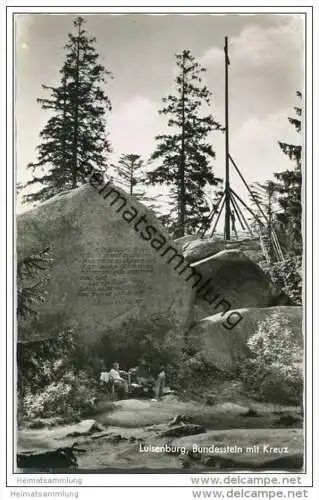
230, 280
195, 249
221, 340
83, 428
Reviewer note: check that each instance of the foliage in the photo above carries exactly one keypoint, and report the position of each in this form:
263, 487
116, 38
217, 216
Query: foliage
274, 371
185, 152
67, 396
193, 377
51, 378
292, 150
264, 196
287, 275
32, 275
289, 185
129, 170
74, 138
41, 362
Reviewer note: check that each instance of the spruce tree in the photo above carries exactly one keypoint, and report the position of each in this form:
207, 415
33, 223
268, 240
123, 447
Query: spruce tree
74, 139
292, 150
32, 275
185, 153
130, 173
289, 185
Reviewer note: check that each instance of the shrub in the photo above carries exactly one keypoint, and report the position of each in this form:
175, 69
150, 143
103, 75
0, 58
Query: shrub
52, 381
44, 361
65, 397
287, 275
274, 370
194, 378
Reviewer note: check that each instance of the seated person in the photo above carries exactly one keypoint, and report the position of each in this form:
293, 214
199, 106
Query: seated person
116, 377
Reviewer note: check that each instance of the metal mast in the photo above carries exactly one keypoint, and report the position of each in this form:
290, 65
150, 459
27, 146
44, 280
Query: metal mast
227, 186
231, 201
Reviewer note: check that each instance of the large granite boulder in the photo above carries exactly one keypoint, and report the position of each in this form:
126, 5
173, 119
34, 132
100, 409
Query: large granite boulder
229, 280
221, 339
111, 264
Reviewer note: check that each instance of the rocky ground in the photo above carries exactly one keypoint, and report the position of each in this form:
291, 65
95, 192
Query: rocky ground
128, 435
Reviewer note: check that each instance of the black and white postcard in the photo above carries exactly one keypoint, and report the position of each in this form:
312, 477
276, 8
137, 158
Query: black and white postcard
159, 249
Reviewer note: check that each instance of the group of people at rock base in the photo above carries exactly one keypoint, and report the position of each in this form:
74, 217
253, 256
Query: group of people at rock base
140, 375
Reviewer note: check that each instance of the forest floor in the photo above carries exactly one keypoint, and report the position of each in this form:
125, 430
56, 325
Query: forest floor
118, 435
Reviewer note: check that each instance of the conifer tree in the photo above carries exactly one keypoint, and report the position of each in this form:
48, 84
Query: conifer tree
130, 171
289, 185
292, 150
32, 275
266, 196
75, 137
184, 154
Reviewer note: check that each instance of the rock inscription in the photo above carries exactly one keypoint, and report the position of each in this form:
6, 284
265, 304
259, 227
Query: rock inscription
116, 276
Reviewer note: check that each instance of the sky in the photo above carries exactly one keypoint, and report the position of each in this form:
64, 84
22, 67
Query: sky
266, 69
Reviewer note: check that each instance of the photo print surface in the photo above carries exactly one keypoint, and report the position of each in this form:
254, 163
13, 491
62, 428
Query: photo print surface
159, 236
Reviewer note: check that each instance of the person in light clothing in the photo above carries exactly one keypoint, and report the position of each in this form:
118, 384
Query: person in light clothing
120, 384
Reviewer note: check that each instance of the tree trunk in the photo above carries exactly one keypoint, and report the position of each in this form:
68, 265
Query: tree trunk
76, 113
63, 180
131, 177
181, 228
